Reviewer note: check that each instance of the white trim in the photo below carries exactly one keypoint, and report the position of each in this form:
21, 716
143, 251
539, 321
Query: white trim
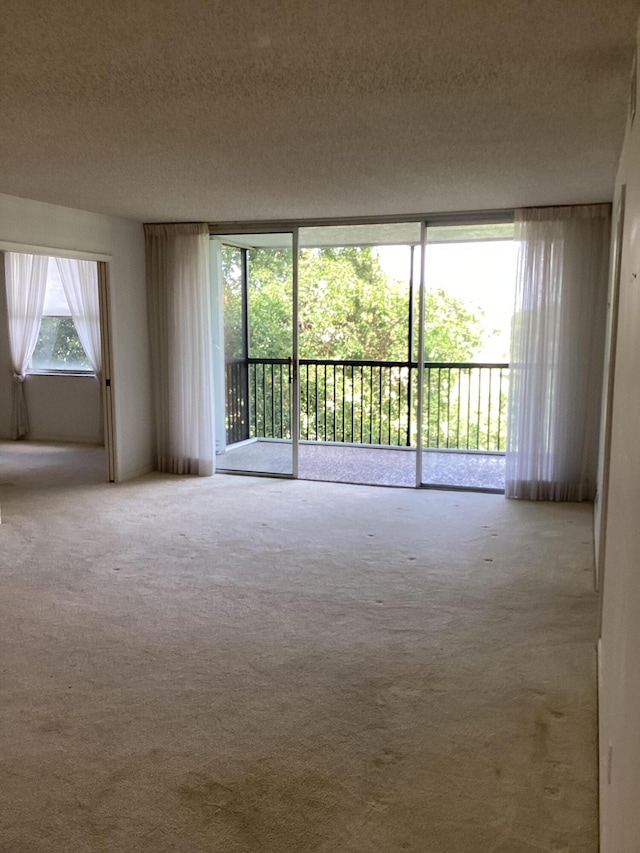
52, 251
108, 402
59, 372
608, 392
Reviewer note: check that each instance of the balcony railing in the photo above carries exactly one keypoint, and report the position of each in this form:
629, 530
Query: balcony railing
371, 402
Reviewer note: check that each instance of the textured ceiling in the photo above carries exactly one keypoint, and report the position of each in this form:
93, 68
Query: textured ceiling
265, 109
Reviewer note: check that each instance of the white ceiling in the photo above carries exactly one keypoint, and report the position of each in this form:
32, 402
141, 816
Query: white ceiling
222, 110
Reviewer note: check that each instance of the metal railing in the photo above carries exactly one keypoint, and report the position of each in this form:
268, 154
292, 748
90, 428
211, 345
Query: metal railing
372, 402
237, 400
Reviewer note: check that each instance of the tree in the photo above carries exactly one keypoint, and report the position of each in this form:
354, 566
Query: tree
349, 310
58, 345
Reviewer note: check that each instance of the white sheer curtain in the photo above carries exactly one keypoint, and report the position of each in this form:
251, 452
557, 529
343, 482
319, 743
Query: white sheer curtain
26, 282
80, 284
557, 352
180, 316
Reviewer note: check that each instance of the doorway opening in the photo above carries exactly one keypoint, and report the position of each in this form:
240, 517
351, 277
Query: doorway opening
56, 308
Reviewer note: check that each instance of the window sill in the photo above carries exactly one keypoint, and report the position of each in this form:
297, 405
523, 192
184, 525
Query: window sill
60, 372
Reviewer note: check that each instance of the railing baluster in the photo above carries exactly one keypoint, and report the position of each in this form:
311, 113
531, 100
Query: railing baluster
325, 403
264, 399
499, 441
389, 413
315, 431
398, 440
428, 374
370, 404
458, 415
334, 402
489, 413
361, 401
353, 413
308, 402
273, 405
380, 406
255, 400
343, 401
257, 396
479, 407
281, 433
448, 406
469, 377
409, 401
439, 401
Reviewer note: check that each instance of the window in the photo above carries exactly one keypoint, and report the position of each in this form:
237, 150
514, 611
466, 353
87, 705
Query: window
58, 346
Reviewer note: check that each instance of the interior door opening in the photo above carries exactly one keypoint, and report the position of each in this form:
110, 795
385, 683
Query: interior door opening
67, 425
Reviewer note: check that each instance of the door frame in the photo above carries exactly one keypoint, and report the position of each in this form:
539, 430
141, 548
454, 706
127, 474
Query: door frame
608, 394
287, 226
489, 217
106, 378
217, 236
107, 400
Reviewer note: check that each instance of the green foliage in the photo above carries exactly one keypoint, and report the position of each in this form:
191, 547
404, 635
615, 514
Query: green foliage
270, 303
350, 309
452, 332
58, 346
232, 277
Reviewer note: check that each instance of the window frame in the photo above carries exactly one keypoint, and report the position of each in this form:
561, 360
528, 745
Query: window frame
58, 371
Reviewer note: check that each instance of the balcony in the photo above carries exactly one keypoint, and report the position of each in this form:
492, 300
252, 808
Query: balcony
359, 421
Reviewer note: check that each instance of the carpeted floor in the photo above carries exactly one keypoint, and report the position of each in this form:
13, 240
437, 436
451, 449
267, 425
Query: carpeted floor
237, 664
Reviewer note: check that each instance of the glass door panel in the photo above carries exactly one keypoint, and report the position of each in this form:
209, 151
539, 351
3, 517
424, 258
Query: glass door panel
469, 280
358, 373
257, 277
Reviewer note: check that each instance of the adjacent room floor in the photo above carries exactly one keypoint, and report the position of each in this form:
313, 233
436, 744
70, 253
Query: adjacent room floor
235, 664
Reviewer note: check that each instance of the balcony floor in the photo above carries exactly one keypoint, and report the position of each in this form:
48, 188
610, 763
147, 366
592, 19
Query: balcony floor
382, 466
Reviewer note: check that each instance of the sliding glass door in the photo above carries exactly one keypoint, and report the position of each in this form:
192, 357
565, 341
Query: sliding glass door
469, 275
358, 375
254, 283
373, 353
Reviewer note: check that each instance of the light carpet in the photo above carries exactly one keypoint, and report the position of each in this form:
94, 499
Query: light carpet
238, 664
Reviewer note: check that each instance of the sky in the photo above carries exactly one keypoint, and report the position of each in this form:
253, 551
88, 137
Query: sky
55, 302
481, 274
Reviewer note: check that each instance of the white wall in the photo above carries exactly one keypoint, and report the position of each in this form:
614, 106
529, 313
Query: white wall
64, 408
36, 224
620, 640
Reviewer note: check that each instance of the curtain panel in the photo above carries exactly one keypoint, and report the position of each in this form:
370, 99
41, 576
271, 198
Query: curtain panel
557, 352
26, 283
80, 285
180, 317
